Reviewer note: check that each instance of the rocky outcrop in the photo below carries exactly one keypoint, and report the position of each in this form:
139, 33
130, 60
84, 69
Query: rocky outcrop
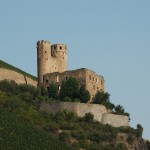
17, 77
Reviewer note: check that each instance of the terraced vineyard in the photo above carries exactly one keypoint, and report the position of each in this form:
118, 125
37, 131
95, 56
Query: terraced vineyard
16, 134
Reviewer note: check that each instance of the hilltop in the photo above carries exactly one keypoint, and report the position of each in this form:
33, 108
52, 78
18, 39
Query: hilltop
20, 106
10, 72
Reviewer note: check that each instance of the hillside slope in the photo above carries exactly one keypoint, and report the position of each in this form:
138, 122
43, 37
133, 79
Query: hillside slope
10, 72
18, 134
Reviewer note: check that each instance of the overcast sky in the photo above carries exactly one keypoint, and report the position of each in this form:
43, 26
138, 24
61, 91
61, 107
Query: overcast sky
110, 37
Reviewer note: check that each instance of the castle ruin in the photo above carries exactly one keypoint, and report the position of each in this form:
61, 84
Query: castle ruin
53, 68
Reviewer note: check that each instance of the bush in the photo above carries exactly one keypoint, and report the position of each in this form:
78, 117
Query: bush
130, 139
139, 130
53, 91
9, 86
148, 144
64, 136
89, 117
103, 98
69, 88
80, 134
84, 95
51, 127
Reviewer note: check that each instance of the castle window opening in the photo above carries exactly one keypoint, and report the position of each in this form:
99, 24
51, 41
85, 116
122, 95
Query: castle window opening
57, 78
66, 78
101, 89
45, 51
60, 47
90, 77
101, 82
93, 87
96, 80
46, 81
59, 87
93, 78
97, 88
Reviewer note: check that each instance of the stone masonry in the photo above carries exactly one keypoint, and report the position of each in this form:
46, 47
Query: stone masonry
100, 112
90, 79
15, 76
52, 61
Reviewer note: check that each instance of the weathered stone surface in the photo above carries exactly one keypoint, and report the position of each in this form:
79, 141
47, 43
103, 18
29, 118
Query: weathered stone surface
52, 64
51, 58
115, 120
17, 77
86, 77
99, 111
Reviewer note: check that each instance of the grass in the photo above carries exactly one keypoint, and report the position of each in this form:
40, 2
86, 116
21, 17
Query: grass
10, 67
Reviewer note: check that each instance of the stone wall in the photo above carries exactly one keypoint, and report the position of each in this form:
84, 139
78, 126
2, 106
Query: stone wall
99, 111
115, 120
17, 77
89, 78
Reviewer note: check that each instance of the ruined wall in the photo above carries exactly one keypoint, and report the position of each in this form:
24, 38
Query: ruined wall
99, 111
58, 77
115, 120
17, 77
90, 79
94, 82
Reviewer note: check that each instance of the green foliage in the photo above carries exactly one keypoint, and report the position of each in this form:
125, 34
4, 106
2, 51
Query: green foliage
9, 86
80, 134
65, 116
147, 144
84, 95
15, 133
130, 139
64, 136
10, 67
121, 146
24, 101
69, 88
89, 117
120, 111
103, 98
53, 91
139, 130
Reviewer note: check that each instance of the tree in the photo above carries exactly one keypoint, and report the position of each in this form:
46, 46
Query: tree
103, 98
84, 95
69, 88
139, 130
53, 91
89, 117
119, 109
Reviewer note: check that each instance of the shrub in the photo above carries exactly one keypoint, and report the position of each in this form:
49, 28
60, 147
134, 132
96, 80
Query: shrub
80, 134
51, 127
103, 98
53, 91
139, 130
69, 88
64, 136
130, 139
84, 95
148, 144
89, 117
67, 99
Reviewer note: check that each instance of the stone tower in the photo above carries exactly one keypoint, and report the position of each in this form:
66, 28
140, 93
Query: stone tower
51, 58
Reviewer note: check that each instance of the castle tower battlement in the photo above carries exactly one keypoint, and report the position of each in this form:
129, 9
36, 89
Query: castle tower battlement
51, 58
